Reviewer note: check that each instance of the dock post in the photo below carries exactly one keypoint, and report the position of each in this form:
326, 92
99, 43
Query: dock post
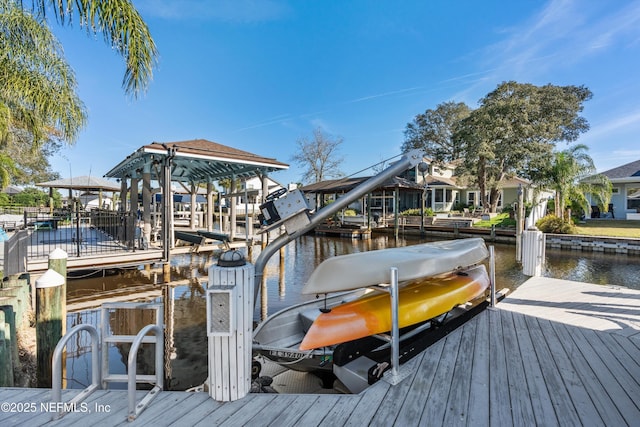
492, 275
519, 224
49, 322
395, 329
230, 326
533, 250
7, 344
58, 263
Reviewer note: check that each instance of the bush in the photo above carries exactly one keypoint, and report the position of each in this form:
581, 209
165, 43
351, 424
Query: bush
350, 212
416, 212
553, 224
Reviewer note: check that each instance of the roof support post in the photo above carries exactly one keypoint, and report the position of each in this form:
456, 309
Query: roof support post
167, 206
210, 206
133, 213
232, 209
265, 192
146, 204
192, 208
123, 209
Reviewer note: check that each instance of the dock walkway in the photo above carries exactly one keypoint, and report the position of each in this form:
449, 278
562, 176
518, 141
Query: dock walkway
554, 353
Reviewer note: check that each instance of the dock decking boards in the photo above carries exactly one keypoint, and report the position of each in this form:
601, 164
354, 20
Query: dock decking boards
528, 362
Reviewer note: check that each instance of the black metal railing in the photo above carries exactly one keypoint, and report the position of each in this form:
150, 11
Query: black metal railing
78, 232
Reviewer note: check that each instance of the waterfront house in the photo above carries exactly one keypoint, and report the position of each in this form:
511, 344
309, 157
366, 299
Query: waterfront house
445, 192
438, 185
625, 196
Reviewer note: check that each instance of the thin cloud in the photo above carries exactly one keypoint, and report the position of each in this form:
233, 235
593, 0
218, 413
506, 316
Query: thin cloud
384, 94
271, 121
564, 32
630, 120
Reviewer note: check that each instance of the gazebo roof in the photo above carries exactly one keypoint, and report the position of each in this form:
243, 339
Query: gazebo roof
346, 184
197, 161
87, 183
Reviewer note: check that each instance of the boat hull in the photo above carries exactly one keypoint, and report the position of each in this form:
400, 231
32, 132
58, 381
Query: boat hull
419, 300
413, 262
279, 336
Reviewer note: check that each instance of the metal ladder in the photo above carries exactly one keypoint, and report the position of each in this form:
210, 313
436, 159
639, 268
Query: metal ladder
100, 378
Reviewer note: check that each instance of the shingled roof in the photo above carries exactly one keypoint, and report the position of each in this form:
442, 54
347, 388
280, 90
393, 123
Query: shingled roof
86, 183
347, 184
624, 172
197, 160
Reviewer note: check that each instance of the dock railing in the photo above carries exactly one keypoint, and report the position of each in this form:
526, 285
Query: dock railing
79, 233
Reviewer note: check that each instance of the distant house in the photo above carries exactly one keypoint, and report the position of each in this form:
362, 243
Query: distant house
445, 193
625, 197
249, 193
438, 184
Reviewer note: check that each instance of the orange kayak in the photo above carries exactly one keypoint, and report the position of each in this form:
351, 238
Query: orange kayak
419, 300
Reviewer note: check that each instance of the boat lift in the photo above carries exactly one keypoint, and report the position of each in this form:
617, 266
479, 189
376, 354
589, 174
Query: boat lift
229, 303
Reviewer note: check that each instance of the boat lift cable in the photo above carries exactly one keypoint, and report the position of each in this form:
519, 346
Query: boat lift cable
408, 160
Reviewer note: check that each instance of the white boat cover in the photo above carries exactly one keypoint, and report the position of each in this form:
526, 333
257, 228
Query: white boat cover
362, 269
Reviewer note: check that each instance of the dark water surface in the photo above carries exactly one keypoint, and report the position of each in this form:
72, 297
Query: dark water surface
185, 308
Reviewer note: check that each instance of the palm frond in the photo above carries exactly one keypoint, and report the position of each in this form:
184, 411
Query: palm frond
123, 29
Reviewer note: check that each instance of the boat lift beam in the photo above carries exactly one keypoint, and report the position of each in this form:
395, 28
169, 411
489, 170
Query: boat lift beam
408, 160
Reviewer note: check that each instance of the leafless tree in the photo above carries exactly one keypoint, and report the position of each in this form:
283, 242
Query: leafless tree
319, 156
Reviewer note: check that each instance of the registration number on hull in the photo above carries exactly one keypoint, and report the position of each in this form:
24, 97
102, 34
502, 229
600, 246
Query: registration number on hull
287, 354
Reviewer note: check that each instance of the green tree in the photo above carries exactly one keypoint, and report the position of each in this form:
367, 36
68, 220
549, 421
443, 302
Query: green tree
7, 169
433, 131
572, 175
514, 131
37, 86
319, 156
34, 197
31, 165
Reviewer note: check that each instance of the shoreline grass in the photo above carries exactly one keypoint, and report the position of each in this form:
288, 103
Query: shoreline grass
589, 227
609, 228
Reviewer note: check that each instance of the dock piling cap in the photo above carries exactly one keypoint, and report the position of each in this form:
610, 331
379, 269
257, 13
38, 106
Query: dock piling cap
231, 258
58, 253
50, 279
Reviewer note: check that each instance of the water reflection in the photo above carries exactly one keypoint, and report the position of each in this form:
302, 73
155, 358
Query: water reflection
182, 294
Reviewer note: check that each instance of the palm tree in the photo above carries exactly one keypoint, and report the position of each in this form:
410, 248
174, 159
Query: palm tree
37, 86
7, 168
38, 100
572, 175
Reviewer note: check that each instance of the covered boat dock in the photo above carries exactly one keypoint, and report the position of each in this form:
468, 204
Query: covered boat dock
193, 164
387, 200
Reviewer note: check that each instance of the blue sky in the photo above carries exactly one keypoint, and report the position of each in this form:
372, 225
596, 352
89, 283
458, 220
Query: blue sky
258, 75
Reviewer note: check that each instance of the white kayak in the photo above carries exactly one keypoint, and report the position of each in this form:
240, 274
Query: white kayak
362, 269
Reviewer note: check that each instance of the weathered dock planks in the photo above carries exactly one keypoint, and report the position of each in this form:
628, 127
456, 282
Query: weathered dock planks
554, 353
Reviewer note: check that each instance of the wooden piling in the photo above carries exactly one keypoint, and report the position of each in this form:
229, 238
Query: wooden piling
166, 272
49, 321
58, 263
6, 357
16, 290
11, 337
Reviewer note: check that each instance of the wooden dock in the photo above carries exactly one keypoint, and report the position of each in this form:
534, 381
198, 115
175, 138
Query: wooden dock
554, 353
350, 232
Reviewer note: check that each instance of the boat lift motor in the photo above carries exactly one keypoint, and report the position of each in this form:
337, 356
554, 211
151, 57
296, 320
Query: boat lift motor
285, 208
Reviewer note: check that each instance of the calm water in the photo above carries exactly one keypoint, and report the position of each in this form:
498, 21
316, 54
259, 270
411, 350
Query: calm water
185, 308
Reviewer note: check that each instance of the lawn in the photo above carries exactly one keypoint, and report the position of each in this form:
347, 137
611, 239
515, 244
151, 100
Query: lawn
502, 220
609, 227
591, 227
